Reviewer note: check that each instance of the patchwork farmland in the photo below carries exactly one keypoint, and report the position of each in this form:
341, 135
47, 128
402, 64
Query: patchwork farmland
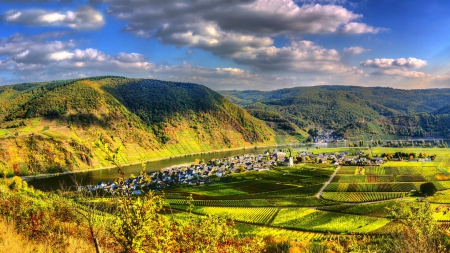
285, 200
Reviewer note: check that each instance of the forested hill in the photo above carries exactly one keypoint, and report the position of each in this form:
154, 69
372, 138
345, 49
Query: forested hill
337, 107
50, 127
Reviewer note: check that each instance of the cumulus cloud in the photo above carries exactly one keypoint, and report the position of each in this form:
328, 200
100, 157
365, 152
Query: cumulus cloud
397, 67
394, 63
85, 18
283, 17
355, 50
300, 57
241, 30
26, 56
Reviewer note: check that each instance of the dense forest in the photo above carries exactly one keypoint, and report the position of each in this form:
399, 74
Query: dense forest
417, 125
376, 110
53, 124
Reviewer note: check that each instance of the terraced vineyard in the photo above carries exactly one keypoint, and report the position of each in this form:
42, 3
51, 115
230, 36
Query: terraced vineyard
440, 197
250, 215
314, 220
358, 197
233, 203
284, 201
445, 225
442, 213
293, 235
372, 187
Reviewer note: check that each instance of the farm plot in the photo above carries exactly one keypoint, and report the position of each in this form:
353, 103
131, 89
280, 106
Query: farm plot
445, 225
375, 170
442, 213
442, 197
442, 185
250, 215
291, 192
347, 170
231, 203
299, 202
359, 197
375, 209
322, 221
285, 201
352, 179
410, 178
292, 235
372, 187
404, 170
376, 179
209, 191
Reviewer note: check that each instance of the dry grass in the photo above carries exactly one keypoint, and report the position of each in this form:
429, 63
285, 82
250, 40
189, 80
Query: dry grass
13, 242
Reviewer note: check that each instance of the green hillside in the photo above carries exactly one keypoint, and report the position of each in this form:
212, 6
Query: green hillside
50, 127
417, 125
345, 109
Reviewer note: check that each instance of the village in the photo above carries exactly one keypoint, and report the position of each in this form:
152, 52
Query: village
200, 173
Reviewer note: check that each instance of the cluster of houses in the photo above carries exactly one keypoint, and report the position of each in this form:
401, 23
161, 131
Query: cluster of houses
327, 137
339, 158
197, 174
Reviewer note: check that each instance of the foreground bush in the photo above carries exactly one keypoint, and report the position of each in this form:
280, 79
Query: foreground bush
131, 224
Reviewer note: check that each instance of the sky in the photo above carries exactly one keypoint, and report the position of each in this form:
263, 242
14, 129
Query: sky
229, 44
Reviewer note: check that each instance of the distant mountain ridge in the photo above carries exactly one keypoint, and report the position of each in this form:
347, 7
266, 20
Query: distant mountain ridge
342, 108
51, 126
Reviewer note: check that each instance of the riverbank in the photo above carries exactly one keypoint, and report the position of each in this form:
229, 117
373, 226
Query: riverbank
49, 175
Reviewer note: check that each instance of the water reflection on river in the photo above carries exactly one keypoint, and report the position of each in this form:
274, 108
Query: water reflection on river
107, 175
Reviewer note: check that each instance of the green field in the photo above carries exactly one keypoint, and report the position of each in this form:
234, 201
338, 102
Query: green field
323, 221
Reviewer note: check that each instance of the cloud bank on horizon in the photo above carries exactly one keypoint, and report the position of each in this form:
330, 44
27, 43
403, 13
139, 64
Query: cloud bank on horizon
229, 44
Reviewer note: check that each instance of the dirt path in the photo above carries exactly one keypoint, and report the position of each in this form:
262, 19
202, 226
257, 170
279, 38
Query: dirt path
319, 194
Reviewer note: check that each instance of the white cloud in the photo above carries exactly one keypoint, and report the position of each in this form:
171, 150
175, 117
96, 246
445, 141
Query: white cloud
394, 63
85, 18
397, 67
38, 59
355, 50
299, 57
402, 72
257, 17
27, 57
358, 28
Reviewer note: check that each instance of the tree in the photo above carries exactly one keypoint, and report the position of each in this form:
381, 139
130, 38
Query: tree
428, 188
91, 211
313, 132
418, 232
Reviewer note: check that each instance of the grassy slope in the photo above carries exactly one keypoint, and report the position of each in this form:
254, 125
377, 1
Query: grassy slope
50, 127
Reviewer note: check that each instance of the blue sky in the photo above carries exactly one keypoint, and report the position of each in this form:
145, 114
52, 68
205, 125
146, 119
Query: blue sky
230, 44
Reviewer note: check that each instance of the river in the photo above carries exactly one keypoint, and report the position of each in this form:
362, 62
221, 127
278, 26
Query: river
107, 175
